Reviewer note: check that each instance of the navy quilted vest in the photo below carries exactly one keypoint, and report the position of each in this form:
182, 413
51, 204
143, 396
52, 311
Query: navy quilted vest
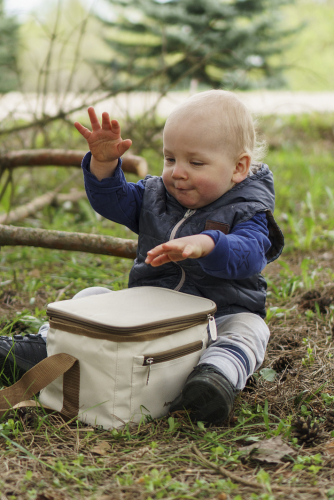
163, 218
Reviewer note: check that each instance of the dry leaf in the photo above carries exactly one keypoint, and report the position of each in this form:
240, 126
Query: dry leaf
101, 448
269, 450
329, 447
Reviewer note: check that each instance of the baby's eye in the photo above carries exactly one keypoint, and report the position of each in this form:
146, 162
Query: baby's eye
169, 160
197, 163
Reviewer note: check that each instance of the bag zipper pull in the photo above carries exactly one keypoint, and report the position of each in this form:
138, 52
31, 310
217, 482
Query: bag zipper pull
149, 362
212, 327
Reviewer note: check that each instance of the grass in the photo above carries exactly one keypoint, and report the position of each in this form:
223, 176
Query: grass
173, 458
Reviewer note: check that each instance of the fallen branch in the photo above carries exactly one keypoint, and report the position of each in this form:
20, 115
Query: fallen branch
24, 211
33, 206
61, 240
73, 196
65, 158
52, 197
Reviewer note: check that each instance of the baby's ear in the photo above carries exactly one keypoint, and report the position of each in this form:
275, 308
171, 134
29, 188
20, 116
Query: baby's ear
241, 168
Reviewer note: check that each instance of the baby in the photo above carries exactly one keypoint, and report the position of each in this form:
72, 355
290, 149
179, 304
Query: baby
205, 228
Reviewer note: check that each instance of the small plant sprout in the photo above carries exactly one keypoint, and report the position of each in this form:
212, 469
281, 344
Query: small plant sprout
308, 277
309, 315
309, 359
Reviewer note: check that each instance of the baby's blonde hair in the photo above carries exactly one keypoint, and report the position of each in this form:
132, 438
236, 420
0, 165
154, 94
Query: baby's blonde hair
233, 119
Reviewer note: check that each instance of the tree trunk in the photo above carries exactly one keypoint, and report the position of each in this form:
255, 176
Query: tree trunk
62, 157
61, 240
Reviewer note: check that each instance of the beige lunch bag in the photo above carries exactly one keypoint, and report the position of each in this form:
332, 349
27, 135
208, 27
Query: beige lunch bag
118, 357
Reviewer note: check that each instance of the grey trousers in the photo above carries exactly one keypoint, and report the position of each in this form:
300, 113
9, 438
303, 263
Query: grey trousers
238, 351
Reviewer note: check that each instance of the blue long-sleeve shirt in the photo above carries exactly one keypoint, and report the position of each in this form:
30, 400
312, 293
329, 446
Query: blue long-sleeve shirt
238, 255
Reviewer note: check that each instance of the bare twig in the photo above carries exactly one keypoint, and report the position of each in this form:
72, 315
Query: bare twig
49, 56
7, 182
63, 290
83, 26
62, 114
61, 240
253, 484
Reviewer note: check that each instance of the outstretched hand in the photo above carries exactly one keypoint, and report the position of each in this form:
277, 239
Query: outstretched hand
189, 247
104, 141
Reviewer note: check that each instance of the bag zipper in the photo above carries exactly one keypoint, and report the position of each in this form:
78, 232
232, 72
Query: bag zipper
178, 352
188, 213
167, 326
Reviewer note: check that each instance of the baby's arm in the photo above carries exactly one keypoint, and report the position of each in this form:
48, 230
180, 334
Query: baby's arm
237, 255
189, 247
105, 143
241, 253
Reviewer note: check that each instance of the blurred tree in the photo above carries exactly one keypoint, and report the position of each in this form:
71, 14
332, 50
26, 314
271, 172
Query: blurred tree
219, 43
8, 51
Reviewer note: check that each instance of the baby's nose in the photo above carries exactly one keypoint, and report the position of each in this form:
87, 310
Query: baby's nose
179, 172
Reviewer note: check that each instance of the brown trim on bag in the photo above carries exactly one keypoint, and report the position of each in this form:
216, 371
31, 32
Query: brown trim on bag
136, 337
41, 375
177, 352
71, 390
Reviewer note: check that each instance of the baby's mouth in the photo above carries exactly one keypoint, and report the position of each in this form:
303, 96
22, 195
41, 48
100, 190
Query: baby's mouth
182, 188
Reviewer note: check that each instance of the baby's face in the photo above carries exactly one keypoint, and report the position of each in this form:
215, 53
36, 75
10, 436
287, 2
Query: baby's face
197, 168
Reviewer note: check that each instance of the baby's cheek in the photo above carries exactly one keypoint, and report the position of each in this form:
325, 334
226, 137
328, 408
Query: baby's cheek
206, 186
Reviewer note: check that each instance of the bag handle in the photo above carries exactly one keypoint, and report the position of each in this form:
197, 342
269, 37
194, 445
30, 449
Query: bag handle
41, 375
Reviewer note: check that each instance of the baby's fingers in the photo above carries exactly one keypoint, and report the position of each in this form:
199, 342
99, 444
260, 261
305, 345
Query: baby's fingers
93, 119
124, 146
83, 130
188, 251
159, 261
106, 125
152, 254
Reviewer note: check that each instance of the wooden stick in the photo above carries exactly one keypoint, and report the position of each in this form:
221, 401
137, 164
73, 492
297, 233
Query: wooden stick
33, 206
24, 211
65, 158
61, 240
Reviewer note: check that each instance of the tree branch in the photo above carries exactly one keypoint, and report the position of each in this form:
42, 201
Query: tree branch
61, 240
62, 157
33, 206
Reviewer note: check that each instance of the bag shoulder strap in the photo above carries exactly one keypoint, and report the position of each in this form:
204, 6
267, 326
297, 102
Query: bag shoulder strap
41, 375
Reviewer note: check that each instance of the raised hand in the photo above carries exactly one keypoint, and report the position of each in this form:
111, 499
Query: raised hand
189, 247
105, 143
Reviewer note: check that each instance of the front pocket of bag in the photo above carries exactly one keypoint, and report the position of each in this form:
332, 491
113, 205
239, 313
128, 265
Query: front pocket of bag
157, 379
